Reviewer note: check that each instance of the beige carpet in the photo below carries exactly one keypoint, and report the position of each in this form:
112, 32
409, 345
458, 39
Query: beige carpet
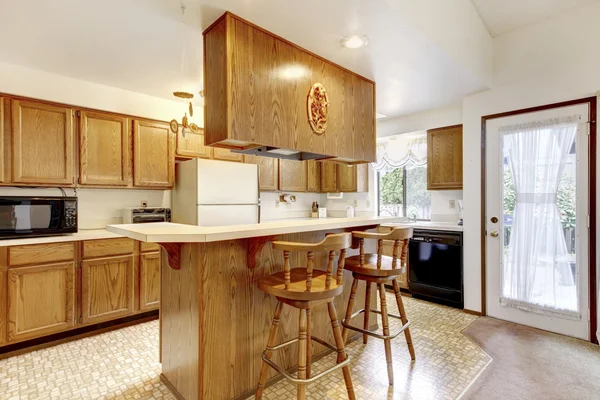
533, 364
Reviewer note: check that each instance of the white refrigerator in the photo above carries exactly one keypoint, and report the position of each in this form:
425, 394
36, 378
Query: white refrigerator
215, 193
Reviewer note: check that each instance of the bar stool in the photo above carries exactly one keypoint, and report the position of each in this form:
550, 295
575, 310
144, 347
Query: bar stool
379, 269
303, 288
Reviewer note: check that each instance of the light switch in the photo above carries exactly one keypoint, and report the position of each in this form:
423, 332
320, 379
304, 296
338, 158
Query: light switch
452, 204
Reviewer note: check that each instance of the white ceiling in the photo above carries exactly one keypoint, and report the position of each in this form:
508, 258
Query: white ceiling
503, 16
143, 46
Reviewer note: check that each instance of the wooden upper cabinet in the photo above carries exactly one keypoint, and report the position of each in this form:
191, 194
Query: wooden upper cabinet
329, 177
445, 158
149, 281
313, 169
42, 144
104, 152
256, 86
153, 154
226, 155
41, 300
192, 144
292, 176
268, 171
107, 288
347, 181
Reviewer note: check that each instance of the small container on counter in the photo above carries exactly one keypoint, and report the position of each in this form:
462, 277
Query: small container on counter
315, 210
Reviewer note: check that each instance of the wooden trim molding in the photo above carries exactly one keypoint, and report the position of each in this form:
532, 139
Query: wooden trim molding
592, 102
478, 313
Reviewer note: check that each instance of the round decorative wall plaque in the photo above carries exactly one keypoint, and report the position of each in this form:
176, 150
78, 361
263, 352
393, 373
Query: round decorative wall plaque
317, 108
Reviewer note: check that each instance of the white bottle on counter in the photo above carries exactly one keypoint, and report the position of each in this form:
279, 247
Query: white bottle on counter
349, 211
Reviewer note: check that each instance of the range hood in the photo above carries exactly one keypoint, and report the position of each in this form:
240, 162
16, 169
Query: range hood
285, 154
265, 96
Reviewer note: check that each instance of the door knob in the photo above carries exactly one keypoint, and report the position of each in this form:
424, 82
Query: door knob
494, 233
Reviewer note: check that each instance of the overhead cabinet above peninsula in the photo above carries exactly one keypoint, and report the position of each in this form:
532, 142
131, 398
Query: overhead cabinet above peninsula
264, 94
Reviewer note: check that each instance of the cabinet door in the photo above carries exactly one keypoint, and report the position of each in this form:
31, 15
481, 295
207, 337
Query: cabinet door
313, 171
362, 178
347, 178
42, 142
104, 153
328, 177
192, 144
107, 288
292, 176
4, 124
149, 281
41, 300
226, 155
444, 158
153, 154
268, 171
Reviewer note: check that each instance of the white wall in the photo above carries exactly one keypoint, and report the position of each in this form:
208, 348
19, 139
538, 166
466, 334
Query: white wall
436, 118
41, 85
271, 208
99, 207
549, 62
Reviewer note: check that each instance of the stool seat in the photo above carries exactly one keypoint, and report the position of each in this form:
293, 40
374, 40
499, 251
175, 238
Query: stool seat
275, 285
369, 267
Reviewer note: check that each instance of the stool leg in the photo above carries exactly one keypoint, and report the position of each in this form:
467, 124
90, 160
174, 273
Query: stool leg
386, 331
367, 311
339, 343
269, 352
308, 341
302, 353
403, 318
349, 309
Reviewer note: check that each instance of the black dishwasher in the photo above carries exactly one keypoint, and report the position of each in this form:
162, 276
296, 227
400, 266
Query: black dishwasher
435, 260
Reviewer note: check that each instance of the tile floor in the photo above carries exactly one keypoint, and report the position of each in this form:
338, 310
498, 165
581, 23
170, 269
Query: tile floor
124, 365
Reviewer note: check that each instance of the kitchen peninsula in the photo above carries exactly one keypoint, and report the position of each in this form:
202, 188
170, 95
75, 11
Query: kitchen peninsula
214, 320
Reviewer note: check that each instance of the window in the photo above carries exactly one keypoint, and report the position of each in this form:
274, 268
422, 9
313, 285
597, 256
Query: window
403, 192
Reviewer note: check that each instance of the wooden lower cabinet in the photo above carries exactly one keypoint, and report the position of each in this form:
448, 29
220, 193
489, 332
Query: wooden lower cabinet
54, 287
107, 288
41, 300
149, 281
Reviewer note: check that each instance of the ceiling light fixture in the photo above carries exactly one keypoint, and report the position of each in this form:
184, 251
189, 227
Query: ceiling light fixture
186, 123
354, 41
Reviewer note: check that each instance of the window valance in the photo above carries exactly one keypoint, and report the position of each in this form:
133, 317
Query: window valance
401, 150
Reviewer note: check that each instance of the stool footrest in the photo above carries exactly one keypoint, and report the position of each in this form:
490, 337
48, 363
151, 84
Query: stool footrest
295, 379
372, 333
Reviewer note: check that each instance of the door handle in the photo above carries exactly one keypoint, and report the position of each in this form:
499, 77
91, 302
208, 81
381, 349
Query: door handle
494, 233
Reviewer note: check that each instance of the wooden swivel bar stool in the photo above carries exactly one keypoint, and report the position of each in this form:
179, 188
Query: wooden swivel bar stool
379, 269
303, 288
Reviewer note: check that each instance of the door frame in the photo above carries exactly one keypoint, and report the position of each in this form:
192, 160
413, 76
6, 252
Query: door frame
592, 102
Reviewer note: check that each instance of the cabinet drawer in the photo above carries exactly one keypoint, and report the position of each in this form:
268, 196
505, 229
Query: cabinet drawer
41, 253
107, 247
146, 247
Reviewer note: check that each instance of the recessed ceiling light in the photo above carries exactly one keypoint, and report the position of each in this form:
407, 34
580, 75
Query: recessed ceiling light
354, 41
378, 115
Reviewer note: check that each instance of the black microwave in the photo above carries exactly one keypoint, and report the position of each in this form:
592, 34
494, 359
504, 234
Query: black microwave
37, 216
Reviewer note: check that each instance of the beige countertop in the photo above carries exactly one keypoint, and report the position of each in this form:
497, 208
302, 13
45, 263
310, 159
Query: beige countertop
88, 234
166, 232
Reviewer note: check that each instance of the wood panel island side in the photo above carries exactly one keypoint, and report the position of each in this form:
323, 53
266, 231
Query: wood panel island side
214, 320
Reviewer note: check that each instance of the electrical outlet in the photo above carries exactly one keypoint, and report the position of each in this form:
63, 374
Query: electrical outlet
452, 204
368, 203
144, 203
355, 203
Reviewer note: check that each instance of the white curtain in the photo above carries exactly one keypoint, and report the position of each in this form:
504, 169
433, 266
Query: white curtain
537, 274
400, 150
